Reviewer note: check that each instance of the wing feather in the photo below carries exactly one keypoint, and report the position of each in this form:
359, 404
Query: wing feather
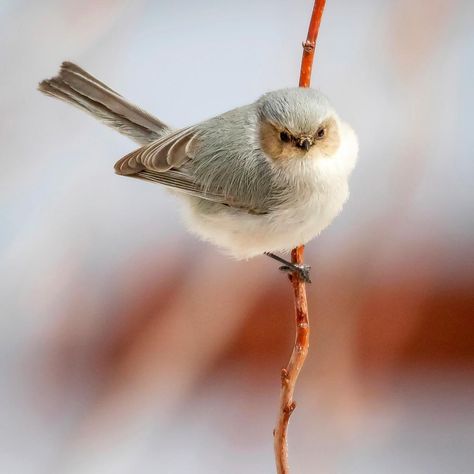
170, 151
181, 182
162, 162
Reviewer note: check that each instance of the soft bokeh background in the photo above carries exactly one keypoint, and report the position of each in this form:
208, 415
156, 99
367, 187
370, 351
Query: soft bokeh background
128, 346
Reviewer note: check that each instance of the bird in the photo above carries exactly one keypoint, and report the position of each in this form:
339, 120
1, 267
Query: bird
262, 178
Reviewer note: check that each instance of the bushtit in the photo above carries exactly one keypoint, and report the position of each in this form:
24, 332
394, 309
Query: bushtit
261, 178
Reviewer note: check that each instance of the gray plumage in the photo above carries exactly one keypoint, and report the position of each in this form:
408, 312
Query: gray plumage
221, 159
299, 109
266, 176
79, 88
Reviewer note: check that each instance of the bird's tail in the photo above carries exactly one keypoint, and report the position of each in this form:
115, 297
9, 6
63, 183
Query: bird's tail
77, 87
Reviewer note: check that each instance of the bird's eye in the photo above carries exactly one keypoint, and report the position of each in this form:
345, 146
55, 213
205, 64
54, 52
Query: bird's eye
321, 133
284, 137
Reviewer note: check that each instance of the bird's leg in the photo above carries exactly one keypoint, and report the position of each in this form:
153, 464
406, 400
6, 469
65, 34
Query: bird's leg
289, 267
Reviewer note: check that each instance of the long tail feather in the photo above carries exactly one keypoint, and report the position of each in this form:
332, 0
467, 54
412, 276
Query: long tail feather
79, 88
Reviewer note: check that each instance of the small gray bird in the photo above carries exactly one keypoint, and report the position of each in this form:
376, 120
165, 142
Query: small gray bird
261, 178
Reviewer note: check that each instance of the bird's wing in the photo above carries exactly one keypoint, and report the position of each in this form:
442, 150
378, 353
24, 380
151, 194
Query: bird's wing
170, 151
162, 162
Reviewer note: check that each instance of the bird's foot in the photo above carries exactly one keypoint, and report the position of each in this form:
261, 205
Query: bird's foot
302, 270
289, 267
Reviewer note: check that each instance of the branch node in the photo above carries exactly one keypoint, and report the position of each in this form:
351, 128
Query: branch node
308, 46
289, 409
284, 376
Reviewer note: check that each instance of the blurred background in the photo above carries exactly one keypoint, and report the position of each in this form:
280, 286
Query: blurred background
126, 345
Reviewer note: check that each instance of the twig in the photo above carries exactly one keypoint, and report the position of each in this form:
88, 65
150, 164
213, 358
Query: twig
289, 375
309, 46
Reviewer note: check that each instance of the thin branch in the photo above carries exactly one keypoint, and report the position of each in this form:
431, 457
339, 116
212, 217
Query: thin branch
289, 375
309, 46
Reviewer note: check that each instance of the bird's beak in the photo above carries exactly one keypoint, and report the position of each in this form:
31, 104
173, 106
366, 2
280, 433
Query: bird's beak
305, 144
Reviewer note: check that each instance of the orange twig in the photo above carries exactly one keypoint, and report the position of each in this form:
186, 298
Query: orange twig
309, 46
289, 375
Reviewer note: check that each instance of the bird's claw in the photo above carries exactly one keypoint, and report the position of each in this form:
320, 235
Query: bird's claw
302, 270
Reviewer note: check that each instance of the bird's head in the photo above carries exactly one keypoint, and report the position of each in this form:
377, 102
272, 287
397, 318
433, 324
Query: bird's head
297, 123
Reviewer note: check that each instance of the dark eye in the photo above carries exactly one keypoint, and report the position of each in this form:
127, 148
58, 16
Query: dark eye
284, 137
321, 133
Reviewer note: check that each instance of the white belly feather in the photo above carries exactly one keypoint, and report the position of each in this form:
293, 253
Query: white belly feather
252, 235
249, 235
